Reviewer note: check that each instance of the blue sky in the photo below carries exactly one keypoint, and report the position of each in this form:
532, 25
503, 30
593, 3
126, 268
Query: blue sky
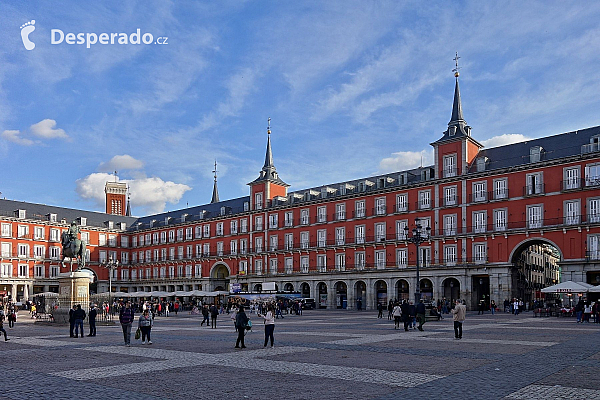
352, 88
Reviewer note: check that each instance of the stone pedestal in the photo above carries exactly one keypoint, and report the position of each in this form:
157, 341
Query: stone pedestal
73, 289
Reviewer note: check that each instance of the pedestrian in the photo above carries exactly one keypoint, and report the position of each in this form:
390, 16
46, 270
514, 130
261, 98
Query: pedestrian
405, 309
587, 312
145, 324
379, 310
6, 339
233, 315
72, 321
78, 316
459, 312
516, 307
269, 325
579, 310
92, 320
126, 317
420, 309
390, 309
33, 311
214, 313
397, 313
413, 315
205, 315
12, 318
241, 320
493, 306
176, 307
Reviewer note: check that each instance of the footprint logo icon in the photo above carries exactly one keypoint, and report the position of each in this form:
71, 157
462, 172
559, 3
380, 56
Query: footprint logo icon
26, 29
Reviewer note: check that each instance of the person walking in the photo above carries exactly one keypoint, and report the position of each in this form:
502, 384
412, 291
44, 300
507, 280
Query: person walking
205, 316
269, 325
176, 307
390, 309
145, 323
397, 313
420, 309
92, 320
214, 313
379, 310
6, 339
405, 309
459, 313
79, 316
241, 320
72, 321
413, 315
493, 306
12, 318
516, 307
126, 317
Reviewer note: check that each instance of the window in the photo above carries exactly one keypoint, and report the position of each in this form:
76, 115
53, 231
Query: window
219, 229
449, 166
340, 237
500, 188
534, 184
23, 271
273, 243
424, 199
340, 211
233, 227
198, 270
206, 249
450, 196
401, 258
155, 238
134, 241
400, 229
38, 233
244, 225
23, 250
304, 264
163, 272
479, 191
258, 223
289, 241
340, 262
380, 259
39, 251
500, 220
7, 230
479, 221
220, 248
571, 212
112, 240
5, 250
289, 219
480, 164
322, 263
124, 239
322, 214
258, 245
479, 253
594, 210
233, 247
402, 202
124, 274
148, 239
304, 240
450, 255
359, 260
535, 154
258, 201
534, 216
424, 256
134, 274
380, 208
273, 221
188, 233
380, 235
304, 217
54, 271
273, 266
321, 238
148, 255
23, 231
571, 178
359, 209
55, 254
163, 235
198, 234
289, 265
6, 270
360, 234
163, 253
593, 247
188, 251
450, 225
206, 229
243, 246
592, 175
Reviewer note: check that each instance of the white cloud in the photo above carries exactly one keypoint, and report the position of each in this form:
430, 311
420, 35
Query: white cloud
149, 194
120, 163
404, 160
14, 136
46, 129
502, 140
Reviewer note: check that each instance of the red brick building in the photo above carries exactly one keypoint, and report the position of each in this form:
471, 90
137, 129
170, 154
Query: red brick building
346, 241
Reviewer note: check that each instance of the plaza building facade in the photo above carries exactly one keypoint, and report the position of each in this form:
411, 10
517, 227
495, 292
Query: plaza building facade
346, 242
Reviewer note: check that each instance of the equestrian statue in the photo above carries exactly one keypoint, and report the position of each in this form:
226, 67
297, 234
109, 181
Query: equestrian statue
73, 247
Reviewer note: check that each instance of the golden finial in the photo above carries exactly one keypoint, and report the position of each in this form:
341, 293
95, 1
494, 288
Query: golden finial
456, 68
269, 126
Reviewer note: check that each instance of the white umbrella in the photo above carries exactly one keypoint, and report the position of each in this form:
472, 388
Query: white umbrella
568, 287
595, 289
26, 292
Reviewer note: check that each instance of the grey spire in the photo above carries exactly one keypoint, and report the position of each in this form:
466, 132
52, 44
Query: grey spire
269, 172
457, 115
215, 195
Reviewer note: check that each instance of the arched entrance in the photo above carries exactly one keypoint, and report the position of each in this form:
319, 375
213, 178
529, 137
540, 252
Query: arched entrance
93, 280
305, 290
322, 289
257, 288
451, 289
341, 295
402, 290
360, 294
220, 277
381, 293
534, 266
426, 287
288, 287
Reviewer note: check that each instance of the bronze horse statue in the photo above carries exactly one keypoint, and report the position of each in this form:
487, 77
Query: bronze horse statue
74, 249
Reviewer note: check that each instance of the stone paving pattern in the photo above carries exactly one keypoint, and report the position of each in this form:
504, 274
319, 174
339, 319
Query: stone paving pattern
322, 354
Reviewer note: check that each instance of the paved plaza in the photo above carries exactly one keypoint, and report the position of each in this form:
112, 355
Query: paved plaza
320, 355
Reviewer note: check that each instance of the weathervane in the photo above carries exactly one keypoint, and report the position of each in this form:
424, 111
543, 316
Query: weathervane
456, 68
269, 126
215, 170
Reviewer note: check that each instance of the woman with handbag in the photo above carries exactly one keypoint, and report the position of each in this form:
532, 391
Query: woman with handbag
269, 324
241, 320
145, 326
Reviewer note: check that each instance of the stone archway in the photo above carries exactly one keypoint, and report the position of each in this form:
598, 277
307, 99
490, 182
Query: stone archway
257, 288
219, 276
341, 295
426, 288
451, 289
402, 290
381, 293
305, 290
288, 287
93, 280
360, 295
322, 290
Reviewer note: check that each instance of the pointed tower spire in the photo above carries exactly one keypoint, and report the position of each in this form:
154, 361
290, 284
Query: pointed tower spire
128, 211
269, 155
457, 114
215, 195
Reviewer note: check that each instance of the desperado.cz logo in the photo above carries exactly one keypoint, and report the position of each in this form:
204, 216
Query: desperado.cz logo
57, 36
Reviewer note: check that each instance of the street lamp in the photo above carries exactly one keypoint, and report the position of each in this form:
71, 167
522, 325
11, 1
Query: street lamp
419, 235
111, 266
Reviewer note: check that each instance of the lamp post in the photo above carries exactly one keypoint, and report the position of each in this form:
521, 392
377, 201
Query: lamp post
419, 235
111, 266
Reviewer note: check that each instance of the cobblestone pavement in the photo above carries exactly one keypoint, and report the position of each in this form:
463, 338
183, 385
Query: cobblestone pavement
322, 354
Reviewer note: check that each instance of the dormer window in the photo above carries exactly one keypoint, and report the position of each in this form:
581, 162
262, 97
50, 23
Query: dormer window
52, 217
183, 217
223, 210
403, 178
123, 226
246, 206
451, 131
152, 223
535, 154
82, 220
21, 214
109, 224
481, 161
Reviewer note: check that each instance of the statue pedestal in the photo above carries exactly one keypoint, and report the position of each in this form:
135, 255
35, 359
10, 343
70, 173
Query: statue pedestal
73, 289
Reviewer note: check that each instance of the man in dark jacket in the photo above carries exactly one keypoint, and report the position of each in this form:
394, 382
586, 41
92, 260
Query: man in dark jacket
405, 308
241, 319
214, 313
78, 316
413, 315
71, 322
126, 317
205, 316
421, 314
92, 319
380, 310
